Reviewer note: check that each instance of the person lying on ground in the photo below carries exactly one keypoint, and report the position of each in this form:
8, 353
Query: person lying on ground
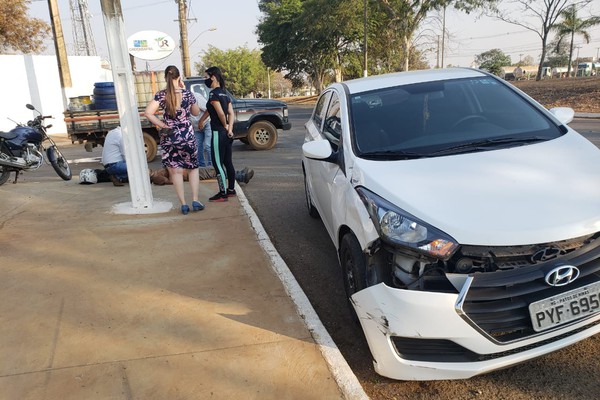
161, 176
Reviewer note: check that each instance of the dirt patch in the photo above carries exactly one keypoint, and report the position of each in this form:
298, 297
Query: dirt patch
581, 94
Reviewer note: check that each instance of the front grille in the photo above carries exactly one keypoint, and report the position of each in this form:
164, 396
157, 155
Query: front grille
498, 302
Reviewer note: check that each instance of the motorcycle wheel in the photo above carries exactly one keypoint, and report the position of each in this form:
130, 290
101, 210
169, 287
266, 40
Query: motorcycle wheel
59, 163
4, 174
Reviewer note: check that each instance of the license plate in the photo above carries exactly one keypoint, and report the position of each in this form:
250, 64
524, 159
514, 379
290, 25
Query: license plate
565, 307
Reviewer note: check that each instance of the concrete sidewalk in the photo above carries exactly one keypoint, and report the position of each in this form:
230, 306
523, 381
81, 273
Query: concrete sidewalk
95, 305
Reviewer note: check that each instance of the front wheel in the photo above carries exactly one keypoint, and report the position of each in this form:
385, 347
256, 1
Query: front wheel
262, 135
354, 268
59, 163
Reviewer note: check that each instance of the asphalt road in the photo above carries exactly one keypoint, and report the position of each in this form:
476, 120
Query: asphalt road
277, 195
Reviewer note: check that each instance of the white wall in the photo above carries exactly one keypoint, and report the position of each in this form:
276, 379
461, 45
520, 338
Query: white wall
35, 80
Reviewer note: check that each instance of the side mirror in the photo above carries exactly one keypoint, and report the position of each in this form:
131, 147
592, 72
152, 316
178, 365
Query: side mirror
563, 114
319, 150
29, 106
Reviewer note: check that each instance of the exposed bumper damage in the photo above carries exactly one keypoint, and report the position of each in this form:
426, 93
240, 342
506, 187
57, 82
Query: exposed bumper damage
415, 335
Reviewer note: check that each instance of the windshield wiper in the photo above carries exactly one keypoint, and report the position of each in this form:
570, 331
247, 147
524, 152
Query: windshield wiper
392, 154
486, 144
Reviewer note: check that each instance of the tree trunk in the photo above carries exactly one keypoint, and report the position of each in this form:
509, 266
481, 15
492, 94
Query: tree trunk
570, 55
406, 53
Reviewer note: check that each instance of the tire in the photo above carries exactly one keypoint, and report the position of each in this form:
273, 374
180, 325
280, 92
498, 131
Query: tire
354, 268
262, 135
104, 84
105, 91
59, 163
312, 210
4, 174
105, 105
150, 146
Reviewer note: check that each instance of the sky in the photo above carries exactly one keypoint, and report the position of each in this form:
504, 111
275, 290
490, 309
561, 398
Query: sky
235, 22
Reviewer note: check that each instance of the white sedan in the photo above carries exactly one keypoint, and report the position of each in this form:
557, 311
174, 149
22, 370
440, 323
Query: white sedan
466, 218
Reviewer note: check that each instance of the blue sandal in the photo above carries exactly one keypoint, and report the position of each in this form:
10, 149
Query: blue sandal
197, 206
185, 209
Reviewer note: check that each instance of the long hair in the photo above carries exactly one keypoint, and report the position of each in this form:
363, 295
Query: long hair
215, 71
171, 72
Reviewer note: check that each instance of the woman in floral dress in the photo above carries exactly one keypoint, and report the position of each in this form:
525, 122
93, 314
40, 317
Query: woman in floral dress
177, 139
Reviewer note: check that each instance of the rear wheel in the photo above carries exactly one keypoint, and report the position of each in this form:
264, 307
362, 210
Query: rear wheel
4, 174
59, 163
150, 146
262, 135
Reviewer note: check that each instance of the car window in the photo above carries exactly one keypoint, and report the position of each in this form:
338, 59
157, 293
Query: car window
320, 109
199, 88
332, 129
427, 119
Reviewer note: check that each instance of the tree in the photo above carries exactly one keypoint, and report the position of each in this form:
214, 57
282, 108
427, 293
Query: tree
545, 14
313, 37
572, 25
559, 56
493, 61
242, 69
18, 32
405, 17
527, 60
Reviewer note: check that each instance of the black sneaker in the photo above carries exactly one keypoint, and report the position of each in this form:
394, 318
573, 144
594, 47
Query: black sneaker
231, 193
219, 197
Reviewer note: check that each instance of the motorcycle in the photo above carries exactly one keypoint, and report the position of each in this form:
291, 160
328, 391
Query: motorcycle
22, 149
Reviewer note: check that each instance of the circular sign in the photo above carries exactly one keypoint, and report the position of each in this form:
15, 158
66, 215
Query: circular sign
150, 45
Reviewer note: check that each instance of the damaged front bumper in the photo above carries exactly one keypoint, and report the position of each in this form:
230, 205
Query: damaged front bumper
418, 335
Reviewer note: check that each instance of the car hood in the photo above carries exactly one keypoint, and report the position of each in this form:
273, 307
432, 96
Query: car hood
537, 193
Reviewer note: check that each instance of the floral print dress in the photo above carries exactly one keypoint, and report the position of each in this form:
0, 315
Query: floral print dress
179, 150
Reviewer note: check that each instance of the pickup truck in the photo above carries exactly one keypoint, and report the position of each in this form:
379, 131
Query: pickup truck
256, 120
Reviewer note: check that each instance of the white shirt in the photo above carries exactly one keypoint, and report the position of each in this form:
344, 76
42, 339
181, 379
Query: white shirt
201, 101
112, 151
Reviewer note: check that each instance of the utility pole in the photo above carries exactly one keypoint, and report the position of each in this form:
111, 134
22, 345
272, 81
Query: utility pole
61, 52
443, 35
437, 62
183, 39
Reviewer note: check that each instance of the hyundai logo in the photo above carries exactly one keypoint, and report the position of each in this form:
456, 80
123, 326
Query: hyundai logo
561, 276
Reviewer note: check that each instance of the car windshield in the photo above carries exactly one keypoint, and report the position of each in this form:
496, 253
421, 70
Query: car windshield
444, 117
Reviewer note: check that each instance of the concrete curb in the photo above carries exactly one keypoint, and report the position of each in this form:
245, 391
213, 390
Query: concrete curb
587, 115
345, 378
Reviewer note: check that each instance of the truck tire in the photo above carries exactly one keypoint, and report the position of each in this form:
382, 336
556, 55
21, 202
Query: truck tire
262, 135
150, 146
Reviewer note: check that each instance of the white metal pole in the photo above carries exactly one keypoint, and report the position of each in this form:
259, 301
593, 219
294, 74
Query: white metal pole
137, 166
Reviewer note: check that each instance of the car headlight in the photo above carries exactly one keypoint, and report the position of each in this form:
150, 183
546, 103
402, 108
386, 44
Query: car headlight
399, 228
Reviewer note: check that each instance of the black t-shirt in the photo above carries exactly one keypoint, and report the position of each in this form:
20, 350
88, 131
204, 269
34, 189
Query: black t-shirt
217, 94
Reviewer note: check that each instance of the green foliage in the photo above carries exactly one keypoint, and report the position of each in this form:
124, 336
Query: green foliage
493, 61
325, 38
242, 68
18, 32
570, 26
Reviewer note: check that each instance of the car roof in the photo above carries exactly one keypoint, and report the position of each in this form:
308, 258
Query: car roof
405, 78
